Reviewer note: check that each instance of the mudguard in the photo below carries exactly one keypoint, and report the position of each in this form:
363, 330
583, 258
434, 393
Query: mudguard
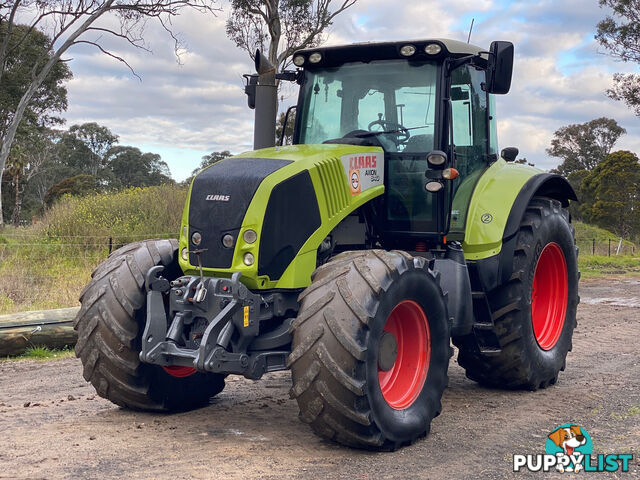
497, 206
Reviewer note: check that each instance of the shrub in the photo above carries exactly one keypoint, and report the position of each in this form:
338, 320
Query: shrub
129, 215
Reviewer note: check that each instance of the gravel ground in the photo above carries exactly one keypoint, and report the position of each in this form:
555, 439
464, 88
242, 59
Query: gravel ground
54, 426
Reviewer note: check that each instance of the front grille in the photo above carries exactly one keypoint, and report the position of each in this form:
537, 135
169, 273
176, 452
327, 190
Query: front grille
334, 185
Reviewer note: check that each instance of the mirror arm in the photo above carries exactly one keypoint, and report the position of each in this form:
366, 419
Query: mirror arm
290, 75
452, 64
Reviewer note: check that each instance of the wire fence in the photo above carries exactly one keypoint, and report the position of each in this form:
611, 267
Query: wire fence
607, 248
39, 271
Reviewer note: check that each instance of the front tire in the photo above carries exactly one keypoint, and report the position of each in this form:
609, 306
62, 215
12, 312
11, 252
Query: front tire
349, 384
110, 324
535, 312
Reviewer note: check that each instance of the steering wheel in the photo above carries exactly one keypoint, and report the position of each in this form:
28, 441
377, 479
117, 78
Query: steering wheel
400, 137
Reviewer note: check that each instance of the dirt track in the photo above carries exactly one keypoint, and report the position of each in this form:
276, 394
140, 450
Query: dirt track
251, 430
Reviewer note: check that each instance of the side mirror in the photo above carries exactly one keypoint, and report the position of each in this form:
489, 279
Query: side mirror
500, 67
510, 154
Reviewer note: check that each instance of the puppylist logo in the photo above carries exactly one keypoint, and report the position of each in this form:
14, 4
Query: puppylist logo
569, 449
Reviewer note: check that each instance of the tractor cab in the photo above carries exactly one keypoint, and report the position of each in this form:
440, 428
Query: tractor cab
426, 104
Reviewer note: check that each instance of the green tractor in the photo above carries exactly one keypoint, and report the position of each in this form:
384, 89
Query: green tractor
391, 227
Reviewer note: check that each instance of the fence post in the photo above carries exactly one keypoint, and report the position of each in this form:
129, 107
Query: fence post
110, 245
593, 246
609, 247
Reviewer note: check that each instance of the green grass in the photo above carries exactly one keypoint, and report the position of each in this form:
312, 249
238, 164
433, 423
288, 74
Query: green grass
596, 265
43, 354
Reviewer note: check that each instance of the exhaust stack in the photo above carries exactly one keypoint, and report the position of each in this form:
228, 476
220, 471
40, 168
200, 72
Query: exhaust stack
266, 103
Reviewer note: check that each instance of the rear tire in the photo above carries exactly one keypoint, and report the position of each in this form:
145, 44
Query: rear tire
110, 324
336, 352
535, 312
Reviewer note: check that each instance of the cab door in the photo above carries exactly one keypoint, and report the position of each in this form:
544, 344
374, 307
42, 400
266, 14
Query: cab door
474, 139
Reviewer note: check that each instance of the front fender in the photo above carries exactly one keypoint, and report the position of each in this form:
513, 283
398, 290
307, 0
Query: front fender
495, 211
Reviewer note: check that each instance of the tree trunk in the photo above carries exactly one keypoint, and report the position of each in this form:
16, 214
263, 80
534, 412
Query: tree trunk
1, 222
15, 218
15, 121
49, 328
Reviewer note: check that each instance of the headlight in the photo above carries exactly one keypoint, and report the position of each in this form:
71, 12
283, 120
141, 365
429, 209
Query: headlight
298, 60
315, 57
250, 236
433, 187
196, 238
408, 50
185, 254
437, 158
228, 241
249, 259
433, 49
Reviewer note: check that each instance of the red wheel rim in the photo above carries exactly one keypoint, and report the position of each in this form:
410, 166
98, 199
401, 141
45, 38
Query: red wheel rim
402, 384
549, 296
179, 372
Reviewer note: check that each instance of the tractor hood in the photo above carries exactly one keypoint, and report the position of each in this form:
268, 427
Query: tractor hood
291, 197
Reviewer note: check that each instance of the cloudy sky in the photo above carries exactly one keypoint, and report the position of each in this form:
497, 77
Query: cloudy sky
186, 111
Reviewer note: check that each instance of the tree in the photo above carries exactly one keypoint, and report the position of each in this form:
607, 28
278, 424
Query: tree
210, 159
82, 184
27, 52
620, 35
28, 159
69, 23
284, 25
576, 180
129, 167
207, 161
611, 194
48, 100
97, 139
582, 146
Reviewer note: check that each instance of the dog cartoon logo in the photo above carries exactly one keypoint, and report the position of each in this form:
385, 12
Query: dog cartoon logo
569, 448
569, 443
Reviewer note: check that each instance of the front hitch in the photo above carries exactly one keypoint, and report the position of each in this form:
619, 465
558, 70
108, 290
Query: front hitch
227, 306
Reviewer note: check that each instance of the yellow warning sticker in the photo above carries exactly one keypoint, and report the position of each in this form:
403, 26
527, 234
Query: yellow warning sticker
246, 316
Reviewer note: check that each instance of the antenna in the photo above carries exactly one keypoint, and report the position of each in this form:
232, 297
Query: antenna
470, 30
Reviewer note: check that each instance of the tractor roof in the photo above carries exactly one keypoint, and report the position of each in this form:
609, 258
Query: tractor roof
368, 51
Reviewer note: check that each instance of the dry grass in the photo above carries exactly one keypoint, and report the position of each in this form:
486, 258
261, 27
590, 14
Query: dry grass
47, 265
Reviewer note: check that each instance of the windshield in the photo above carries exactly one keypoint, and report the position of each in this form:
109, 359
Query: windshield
392, 96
